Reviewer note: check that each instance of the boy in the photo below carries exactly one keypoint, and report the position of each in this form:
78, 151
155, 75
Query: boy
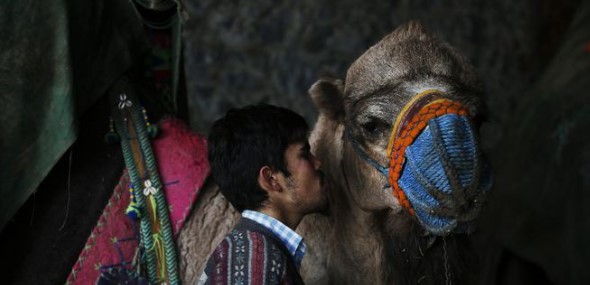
261, 160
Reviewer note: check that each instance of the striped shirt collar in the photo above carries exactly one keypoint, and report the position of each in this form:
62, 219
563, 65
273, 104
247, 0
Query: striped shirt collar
292, 241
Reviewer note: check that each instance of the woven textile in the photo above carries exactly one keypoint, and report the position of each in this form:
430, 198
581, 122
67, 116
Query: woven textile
445, 177
113, 244
292, 241
250, 254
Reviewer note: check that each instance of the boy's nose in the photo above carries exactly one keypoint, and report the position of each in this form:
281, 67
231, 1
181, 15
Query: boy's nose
316, 162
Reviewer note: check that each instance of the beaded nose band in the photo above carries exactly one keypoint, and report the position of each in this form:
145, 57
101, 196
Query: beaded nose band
411, 121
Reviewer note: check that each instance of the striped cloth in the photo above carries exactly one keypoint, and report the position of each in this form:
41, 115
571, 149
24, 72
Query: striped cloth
250, 254
292, 241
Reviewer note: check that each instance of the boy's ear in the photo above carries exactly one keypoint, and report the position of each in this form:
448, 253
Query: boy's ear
267, 179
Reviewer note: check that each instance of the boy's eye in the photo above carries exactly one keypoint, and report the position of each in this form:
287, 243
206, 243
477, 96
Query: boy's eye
306, 154
306, 150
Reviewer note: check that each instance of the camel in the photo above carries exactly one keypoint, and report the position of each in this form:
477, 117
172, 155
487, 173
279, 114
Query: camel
367, 237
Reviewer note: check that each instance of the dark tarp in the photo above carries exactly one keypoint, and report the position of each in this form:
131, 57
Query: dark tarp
56, 59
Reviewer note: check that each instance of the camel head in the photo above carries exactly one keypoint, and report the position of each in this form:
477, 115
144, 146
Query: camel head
382, 156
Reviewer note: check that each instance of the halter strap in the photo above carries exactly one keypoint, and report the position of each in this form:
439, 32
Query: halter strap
409, 110
410, 122
382, 169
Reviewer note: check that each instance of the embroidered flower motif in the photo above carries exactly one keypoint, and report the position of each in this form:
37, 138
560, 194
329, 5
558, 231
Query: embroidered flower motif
276, 254
239, 270
124, 102
275, 267
149, 189
274, 271
241, 259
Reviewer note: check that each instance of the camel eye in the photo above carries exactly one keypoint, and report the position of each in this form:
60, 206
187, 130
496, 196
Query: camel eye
373, 127
370, 127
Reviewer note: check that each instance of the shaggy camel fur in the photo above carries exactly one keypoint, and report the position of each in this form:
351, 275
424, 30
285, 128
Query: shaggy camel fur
367, 238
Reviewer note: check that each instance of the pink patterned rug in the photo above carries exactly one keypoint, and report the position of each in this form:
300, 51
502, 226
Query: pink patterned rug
182, 163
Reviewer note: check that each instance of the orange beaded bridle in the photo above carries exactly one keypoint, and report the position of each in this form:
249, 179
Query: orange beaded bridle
410, 122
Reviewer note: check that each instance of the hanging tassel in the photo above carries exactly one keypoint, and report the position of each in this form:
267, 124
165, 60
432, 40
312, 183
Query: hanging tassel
158, 243
152, 130
111, 136
158, 248
133, 211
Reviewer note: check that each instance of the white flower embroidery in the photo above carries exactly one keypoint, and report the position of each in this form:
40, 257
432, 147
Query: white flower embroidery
239, 270
124, 102
149, 189
275, 267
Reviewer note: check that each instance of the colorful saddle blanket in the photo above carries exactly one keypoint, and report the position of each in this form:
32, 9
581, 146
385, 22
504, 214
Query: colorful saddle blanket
112, 247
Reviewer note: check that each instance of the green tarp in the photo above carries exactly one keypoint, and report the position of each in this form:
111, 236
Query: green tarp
56, 59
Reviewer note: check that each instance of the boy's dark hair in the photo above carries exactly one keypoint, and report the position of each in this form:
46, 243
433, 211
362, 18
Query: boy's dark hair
245, 140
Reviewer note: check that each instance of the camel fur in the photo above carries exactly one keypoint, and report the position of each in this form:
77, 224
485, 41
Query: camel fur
366, 238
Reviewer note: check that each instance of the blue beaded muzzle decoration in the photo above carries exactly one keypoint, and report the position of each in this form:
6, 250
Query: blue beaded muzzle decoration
437, 171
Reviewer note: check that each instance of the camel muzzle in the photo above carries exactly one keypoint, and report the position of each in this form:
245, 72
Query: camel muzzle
437, 171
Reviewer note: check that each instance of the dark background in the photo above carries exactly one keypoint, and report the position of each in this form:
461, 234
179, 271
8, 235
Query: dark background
533, 57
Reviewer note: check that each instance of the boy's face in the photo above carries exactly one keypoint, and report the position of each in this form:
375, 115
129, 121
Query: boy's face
306, 184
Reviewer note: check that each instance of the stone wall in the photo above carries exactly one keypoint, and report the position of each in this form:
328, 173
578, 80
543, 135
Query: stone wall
272, 51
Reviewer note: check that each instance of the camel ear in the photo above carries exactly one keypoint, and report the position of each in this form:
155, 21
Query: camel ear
328, 97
